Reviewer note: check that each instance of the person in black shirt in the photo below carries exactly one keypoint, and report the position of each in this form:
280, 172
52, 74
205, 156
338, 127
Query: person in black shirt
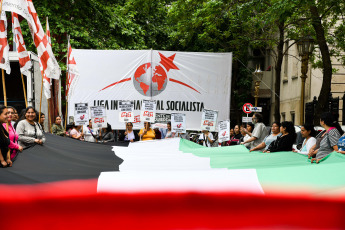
129, 135
286, 140
5, 156
235, 140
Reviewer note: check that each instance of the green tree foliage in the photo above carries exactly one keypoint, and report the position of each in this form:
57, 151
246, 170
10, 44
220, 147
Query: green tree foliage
199, 25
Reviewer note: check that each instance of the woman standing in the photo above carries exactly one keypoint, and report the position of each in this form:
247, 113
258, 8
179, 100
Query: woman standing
275, 133
129, 135
5, 156
14, 146
308, 133
286, 140
75, 132
41, 122
29, 131
169, 133
90, 133
147, 133
106, 134
235, 140
326, 140
57, 128
247, 133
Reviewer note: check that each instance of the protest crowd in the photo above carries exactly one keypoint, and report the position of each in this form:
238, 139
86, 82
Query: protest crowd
24, 130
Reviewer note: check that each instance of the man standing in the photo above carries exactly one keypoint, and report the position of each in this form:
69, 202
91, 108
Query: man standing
259, 132
206, 138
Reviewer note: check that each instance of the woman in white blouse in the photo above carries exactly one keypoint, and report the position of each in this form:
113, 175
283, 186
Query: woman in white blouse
308, 133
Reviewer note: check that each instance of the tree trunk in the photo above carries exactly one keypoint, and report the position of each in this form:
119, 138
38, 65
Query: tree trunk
278, 68
327, 64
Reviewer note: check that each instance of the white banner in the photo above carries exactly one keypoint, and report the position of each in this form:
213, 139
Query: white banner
223, 131
81, 114
126, 111
178, 123
209, 120
148, 111
179, 82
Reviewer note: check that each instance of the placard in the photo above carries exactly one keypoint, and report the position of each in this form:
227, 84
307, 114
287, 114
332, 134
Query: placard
247, 120
223, 131
98, 116
99, 122
81, 114
209, 120
126, 111
163, 118
148, 111
178, 123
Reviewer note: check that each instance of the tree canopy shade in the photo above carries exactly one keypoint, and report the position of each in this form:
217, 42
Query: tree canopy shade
201, 26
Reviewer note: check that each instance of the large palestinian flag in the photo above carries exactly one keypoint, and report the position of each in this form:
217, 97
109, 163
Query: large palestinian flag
168, 184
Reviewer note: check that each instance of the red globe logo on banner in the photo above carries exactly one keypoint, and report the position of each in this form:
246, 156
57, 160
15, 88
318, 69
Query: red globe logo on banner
146, 85
153, 86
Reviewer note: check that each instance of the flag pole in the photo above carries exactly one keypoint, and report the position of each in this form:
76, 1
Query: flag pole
3, 74
49, 101
26, 101
49, 117
39, 114
4, 87
66, 85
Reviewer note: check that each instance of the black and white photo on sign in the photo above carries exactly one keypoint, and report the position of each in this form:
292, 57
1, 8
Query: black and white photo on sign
163, 118
126, 111
81, 114
178, 123
209, 120
148, 111
223, 131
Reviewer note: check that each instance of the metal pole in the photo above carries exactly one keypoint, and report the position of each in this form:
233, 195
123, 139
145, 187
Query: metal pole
26, 101
3, 86
304, 70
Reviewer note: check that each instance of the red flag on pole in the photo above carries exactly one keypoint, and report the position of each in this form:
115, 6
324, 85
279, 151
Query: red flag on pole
44, 50
72, 71
4, 48
24, 58
47, 81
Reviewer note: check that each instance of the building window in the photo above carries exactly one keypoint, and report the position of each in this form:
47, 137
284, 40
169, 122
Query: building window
283, 116
292, 117
286, 62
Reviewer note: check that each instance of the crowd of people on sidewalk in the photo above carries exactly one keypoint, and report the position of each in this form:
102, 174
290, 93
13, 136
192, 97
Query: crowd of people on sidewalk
282, 137
20, 132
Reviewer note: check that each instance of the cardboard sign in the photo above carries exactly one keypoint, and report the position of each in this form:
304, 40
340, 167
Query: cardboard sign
209, 120
162, 118
223, 131
148, 111
81, 114
98, 116
178, 123
126, 111
246, 119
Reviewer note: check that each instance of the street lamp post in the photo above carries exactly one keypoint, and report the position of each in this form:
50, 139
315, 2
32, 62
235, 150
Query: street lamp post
305, 48
259, 75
